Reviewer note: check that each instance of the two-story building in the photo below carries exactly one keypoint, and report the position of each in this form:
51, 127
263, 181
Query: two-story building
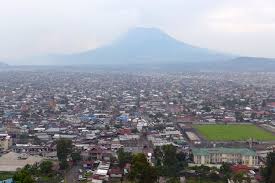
208, 156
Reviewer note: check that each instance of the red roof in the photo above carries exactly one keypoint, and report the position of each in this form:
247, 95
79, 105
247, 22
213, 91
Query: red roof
240, 168
115, 171
125, 131
272, 104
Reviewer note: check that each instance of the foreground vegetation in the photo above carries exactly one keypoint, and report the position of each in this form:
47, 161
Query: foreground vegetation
45, 172
233, 132
169, 165
6, 175
42, 172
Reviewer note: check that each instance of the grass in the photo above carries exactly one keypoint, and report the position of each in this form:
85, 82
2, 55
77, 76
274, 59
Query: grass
49, 179
6, 175
201, 181
233, 132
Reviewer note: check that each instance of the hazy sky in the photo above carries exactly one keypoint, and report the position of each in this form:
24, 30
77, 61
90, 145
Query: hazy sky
34, 27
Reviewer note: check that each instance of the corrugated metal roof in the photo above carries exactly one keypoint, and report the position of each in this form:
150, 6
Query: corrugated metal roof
223, 150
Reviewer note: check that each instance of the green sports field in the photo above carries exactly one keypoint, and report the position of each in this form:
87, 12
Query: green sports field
232, 132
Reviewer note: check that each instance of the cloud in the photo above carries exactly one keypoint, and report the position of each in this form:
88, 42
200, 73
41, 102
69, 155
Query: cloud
33, 27
246, 17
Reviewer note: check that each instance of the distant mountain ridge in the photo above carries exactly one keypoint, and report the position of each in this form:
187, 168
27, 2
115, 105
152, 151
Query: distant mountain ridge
253, 59
250, 64
149, 47
2, 64
140, 46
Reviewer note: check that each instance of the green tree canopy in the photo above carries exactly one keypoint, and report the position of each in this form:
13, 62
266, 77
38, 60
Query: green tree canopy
225, 170
64, 149
24, 175
124, 157
46, 167
168, 162
269, 171
76, 156
141, 170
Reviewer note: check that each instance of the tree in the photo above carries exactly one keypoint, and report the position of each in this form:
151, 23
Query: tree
226, 171
64, 149
239, 177
206, 109
63, 164
191, 156
181, 161
203, 170
214, 176
269, 171
46, 167
168, 162
28, 179
158, 156
124, 157
135, 130
24, 138
23, 175
141, 170
253, 115
107, 127
158, 160
76, 156
239, 116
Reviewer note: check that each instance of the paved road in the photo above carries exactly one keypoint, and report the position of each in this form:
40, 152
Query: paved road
71, 176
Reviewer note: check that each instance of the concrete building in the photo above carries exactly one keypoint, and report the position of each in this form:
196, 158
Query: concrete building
210, 156
5, 142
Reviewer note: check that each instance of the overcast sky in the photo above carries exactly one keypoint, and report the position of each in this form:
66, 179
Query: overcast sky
34, 27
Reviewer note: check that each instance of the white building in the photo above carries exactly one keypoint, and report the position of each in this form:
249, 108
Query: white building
208, 156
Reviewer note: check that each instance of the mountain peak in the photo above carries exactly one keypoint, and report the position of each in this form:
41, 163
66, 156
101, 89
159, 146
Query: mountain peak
147, 30
142, 45
145, 34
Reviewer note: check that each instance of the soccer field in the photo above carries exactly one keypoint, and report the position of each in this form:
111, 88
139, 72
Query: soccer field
232, 132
